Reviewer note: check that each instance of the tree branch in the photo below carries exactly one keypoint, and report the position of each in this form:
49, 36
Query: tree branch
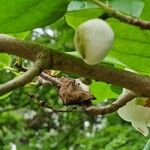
20, 81
122, 100
52, 59
51, 79
123, 17
44, 105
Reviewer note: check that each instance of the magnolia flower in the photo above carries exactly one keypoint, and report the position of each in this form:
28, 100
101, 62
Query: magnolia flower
93, 40
137, 112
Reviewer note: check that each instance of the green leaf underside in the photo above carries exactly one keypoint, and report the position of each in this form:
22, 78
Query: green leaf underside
75, 18
80, 5
145, 13
4, 60
131, 7
81, 11
147, 146
24, 15
131, 46
102, 91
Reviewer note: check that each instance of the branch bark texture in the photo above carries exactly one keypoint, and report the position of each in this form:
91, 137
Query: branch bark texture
120, 102
51, 59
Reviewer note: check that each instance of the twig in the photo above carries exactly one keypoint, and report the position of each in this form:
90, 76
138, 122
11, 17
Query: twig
51, 79
44, 82
123, 17
122, 100
44, 78
43, 104
20, 67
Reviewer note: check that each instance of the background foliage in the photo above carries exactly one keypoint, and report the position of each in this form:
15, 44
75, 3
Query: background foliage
24, 123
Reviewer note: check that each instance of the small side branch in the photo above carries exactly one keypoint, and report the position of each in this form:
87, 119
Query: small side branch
51, 79
123, 17
20, 81
122, 100
51, 108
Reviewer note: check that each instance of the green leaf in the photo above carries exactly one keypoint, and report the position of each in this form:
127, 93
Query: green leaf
5, 96
145, 14
131, 46
21, 35
102, 91
114, 61
4, 60
81, 11
147, 146
80, 5
131, 7
75, 18
24, 15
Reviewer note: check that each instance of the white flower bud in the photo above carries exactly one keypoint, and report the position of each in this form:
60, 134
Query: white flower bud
93, 39
137, 112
